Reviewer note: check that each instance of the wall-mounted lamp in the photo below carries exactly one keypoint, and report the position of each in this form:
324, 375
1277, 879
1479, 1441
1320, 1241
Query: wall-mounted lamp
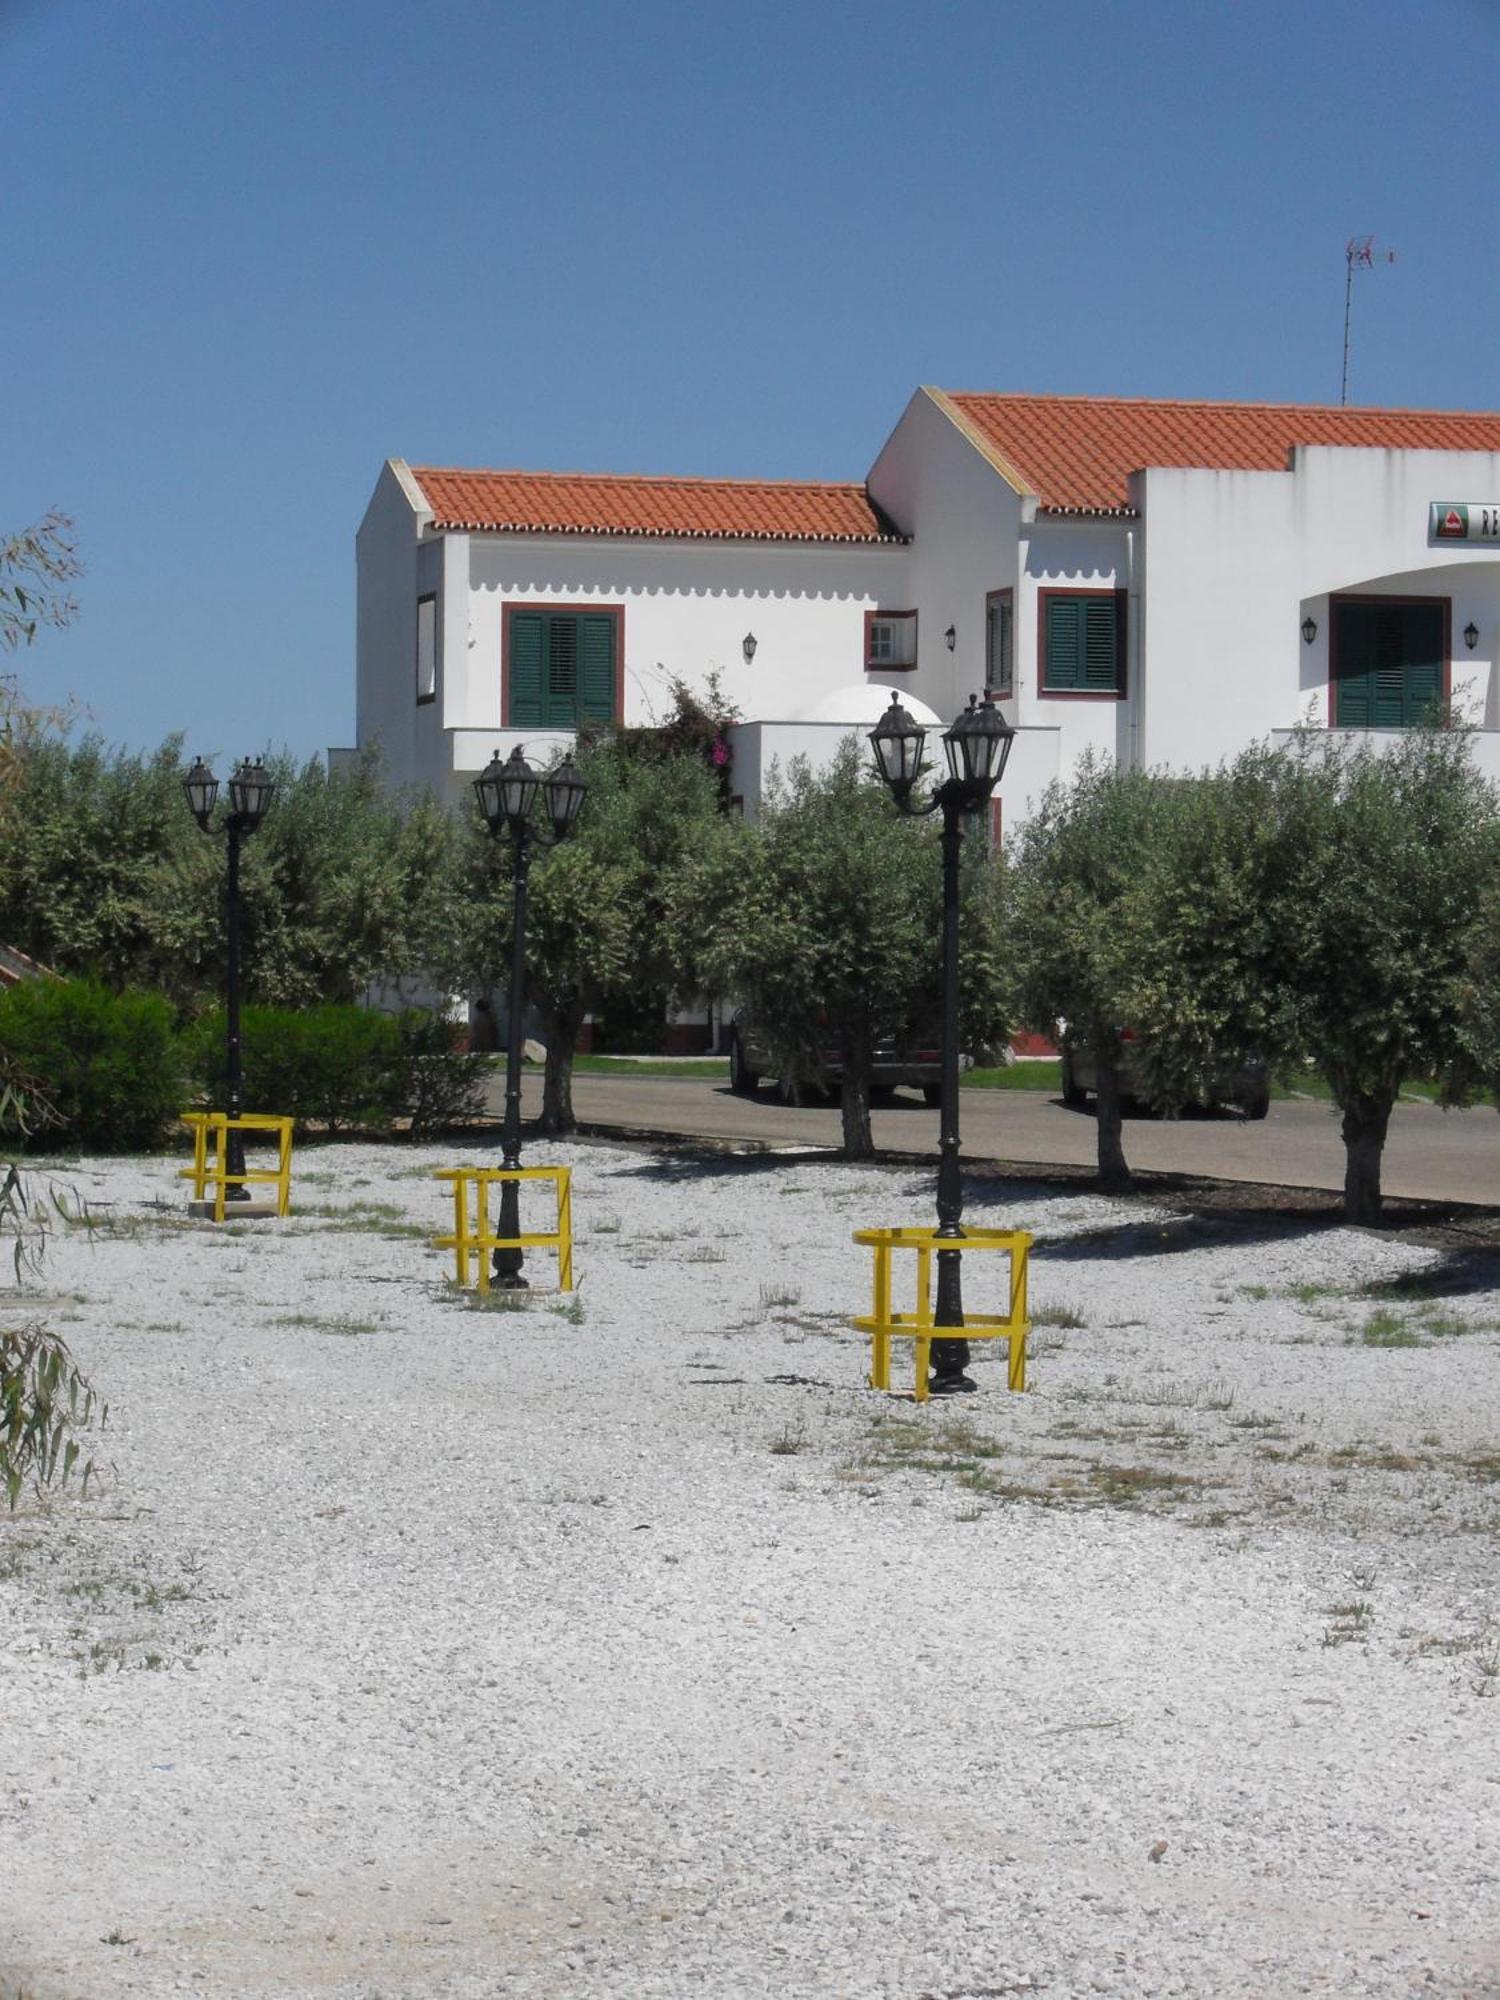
1471, 635
747, 647
1309, 630
950, 638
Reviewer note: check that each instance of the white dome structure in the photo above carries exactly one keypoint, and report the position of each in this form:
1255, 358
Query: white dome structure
864, 702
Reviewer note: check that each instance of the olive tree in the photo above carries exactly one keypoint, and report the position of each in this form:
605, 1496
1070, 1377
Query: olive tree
1326, 904
1392, 850
596, 926
1075, 925
828, 932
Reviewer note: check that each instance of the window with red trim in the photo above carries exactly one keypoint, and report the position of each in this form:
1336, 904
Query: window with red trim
890, 641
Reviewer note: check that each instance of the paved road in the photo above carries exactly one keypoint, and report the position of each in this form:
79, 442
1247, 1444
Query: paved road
1431, 1155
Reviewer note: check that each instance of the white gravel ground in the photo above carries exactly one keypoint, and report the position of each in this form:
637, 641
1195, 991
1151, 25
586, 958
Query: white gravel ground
640, 1650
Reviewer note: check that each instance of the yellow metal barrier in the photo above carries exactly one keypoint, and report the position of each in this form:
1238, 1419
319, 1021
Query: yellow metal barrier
884, 1324
472, 1239
210, 1130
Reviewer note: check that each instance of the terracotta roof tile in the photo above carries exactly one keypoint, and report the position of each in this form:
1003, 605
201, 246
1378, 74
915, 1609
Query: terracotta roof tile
1076, 452
573, 503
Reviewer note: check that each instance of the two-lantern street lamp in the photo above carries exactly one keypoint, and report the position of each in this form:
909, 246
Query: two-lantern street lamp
976, 747
508, 795
251, 790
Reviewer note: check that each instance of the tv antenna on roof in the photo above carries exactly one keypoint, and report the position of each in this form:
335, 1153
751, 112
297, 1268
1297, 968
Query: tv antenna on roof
1359, 254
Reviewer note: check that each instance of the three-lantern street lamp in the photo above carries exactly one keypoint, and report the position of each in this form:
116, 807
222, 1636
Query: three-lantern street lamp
508, 795
251, 790
976, 747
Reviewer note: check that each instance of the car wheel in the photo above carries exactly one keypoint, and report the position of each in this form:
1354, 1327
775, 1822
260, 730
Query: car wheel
1258, 1106
1073, 1093
742, 1080
932, 1095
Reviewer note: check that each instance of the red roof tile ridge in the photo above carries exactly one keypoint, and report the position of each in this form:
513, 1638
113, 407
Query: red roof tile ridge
642, 478
1209, 403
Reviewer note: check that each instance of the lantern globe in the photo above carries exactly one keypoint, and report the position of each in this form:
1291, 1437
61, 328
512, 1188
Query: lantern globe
487, 792
978, 746
202, 790
897, 741
519, 785
566, 789
250, 793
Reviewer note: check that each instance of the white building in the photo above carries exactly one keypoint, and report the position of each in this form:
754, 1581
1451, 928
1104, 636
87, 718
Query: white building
1165, 581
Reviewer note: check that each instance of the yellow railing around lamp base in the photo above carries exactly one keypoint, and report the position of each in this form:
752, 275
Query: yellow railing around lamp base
210, 1169
471, 1238
884, 1324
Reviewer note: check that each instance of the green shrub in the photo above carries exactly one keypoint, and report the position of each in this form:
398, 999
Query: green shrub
343, 1068
435, 1086
330, 1066
107, 1065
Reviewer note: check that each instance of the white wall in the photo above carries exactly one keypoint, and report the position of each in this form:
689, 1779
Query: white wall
386, 627
687, 610
965, 521
1232, 562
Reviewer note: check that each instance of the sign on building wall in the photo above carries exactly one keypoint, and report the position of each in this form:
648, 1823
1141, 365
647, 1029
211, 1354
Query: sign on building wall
1463, 521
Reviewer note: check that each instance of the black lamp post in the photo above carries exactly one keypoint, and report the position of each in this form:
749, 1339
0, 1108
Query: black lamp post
250, 793
508, 795
977, 747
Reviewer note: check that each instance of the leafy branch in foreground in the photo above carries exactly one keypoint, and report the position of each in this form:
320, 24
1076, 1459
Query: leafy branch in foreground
34, 566
44, 1398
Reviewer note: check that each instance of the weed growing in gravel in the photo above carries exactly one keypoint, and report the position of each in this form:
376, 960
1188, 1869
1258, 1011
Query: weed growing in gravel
1351, 1623
1387, 1329
605, 1225
344, 1324
772, 1296
1063, 1316
704, 1253
498, 1301
570, 1309
1487, 1668
369, 1218
789, 1440
1311, 1291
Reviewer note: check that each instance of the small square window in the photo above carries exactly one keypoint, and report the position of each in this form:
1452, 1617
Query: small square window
426, 649
890, 641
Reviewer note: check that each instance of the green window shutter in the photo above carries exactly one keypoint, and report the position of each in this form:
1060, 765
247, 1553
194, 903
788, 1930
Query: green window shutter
1390, 664
1101, 657
596, 667
525, 659
1423, 647
560, 710
1063, 663
1082, 639
562, 669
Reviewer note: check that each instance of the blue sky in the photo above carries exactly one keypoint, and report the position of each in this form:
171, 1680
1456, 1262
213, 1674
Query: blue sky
251, 249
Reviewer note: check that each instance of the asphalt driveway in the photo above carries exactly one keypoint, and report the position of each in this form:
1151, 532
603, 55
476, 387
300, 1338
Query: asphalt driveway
1431, 1155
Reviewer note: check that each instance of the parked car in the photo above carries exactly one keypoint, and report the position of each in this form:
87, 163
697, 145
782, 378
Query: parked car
916, 1062
1247, 1087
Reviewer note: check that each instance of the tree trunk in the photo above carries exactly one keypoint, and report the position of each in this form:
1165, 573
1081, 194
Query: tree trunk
854, 1103
563, 1028
1114, 1169
1365, 1121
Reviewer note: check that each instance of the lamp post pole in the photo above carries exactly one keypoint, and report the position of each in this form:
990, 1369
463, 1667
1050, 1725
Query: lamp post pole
950, 1183
507, 795
251, 790
976, 748
508, 1262
234, 1090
